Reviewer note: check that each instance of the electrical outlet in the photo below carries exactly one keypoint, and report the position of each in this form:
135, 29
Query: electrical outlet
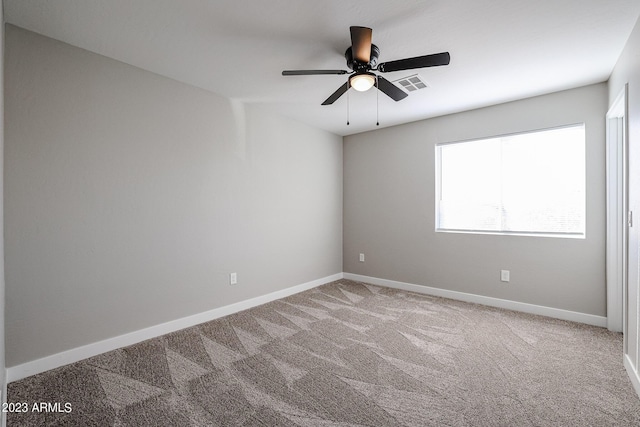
233, 278
504, 275
361, 257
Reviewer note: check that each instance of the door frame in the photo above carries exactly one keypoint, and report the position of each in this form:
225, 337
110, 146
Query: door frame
618, 216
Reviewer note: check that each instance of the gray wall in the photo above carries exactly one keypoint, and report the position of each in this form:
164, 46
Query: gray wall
389, 210
627, 70
131, 197
3, 371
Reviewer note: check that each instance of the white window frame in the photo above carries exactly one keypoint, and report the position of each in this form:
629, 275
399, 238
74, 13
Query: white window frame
438, 190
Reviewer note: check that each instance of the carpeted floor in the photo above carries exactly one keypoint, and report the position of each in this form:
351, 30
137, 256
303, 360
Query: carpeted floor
348, 354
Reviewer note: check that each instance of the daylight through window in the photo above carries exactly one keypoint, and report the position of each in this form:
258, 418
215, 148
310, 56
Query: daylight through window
531, 183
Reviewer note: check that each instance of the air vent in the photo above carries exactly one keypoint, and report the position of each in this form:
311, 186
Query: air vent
411, 83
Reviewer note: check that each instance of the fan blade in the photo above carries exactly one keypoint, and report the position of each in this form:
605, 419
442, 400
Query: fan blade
389, 89
434, 60
311, 72
337, 94
361, 44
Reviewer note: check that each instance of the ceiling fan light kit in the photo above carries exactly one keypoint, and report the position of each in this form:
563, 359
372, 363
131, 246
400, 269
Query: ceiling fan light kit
362, 82
362, 59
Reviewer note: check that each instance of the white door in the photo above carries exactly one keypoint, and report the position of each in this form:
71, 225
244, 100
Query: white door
618, 219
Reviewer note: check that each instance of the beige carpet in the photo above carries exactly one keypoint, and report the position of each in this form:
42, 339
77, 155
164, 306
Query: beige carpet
349, 354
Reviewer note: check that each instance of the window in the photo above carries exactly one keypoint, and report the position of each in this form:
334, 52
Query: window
531, 183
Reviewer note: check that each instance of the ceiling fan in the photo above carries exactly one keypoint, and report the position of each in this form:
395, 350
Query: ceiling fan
362, 59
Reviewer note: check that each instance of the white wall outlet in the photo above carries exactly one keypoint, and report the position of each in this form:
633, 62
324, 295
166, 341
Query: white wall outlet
361, 257
504, 275
233, 278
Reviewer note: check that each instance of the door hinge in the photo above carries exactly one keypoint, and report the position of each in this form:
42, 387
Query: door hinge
630, 219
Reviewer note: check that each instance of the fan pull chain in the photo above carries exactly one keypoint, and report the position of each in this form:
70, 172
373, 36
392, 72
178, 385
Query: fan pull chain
377, 103
347, 107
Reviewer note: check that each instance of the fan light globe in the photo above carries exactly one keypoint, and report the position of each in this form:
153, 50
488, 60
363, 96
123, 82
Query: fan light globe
362, 82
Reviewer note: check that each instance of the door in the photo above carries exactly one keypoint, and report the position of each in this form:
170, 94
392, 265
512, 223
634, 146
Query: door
619, 218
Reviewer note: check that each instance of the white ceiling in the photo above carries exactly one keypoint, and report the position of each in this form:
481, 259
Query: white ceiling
501, 50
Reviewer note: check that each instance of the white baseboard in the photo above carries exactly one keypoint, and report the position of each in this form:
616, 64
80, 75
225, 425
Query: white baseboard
557, 313
18, 372
633, 374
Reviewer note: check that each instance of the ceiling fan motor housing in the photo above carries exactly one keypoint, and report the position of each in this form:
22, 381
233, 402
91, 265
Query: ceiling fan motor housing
360, 66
